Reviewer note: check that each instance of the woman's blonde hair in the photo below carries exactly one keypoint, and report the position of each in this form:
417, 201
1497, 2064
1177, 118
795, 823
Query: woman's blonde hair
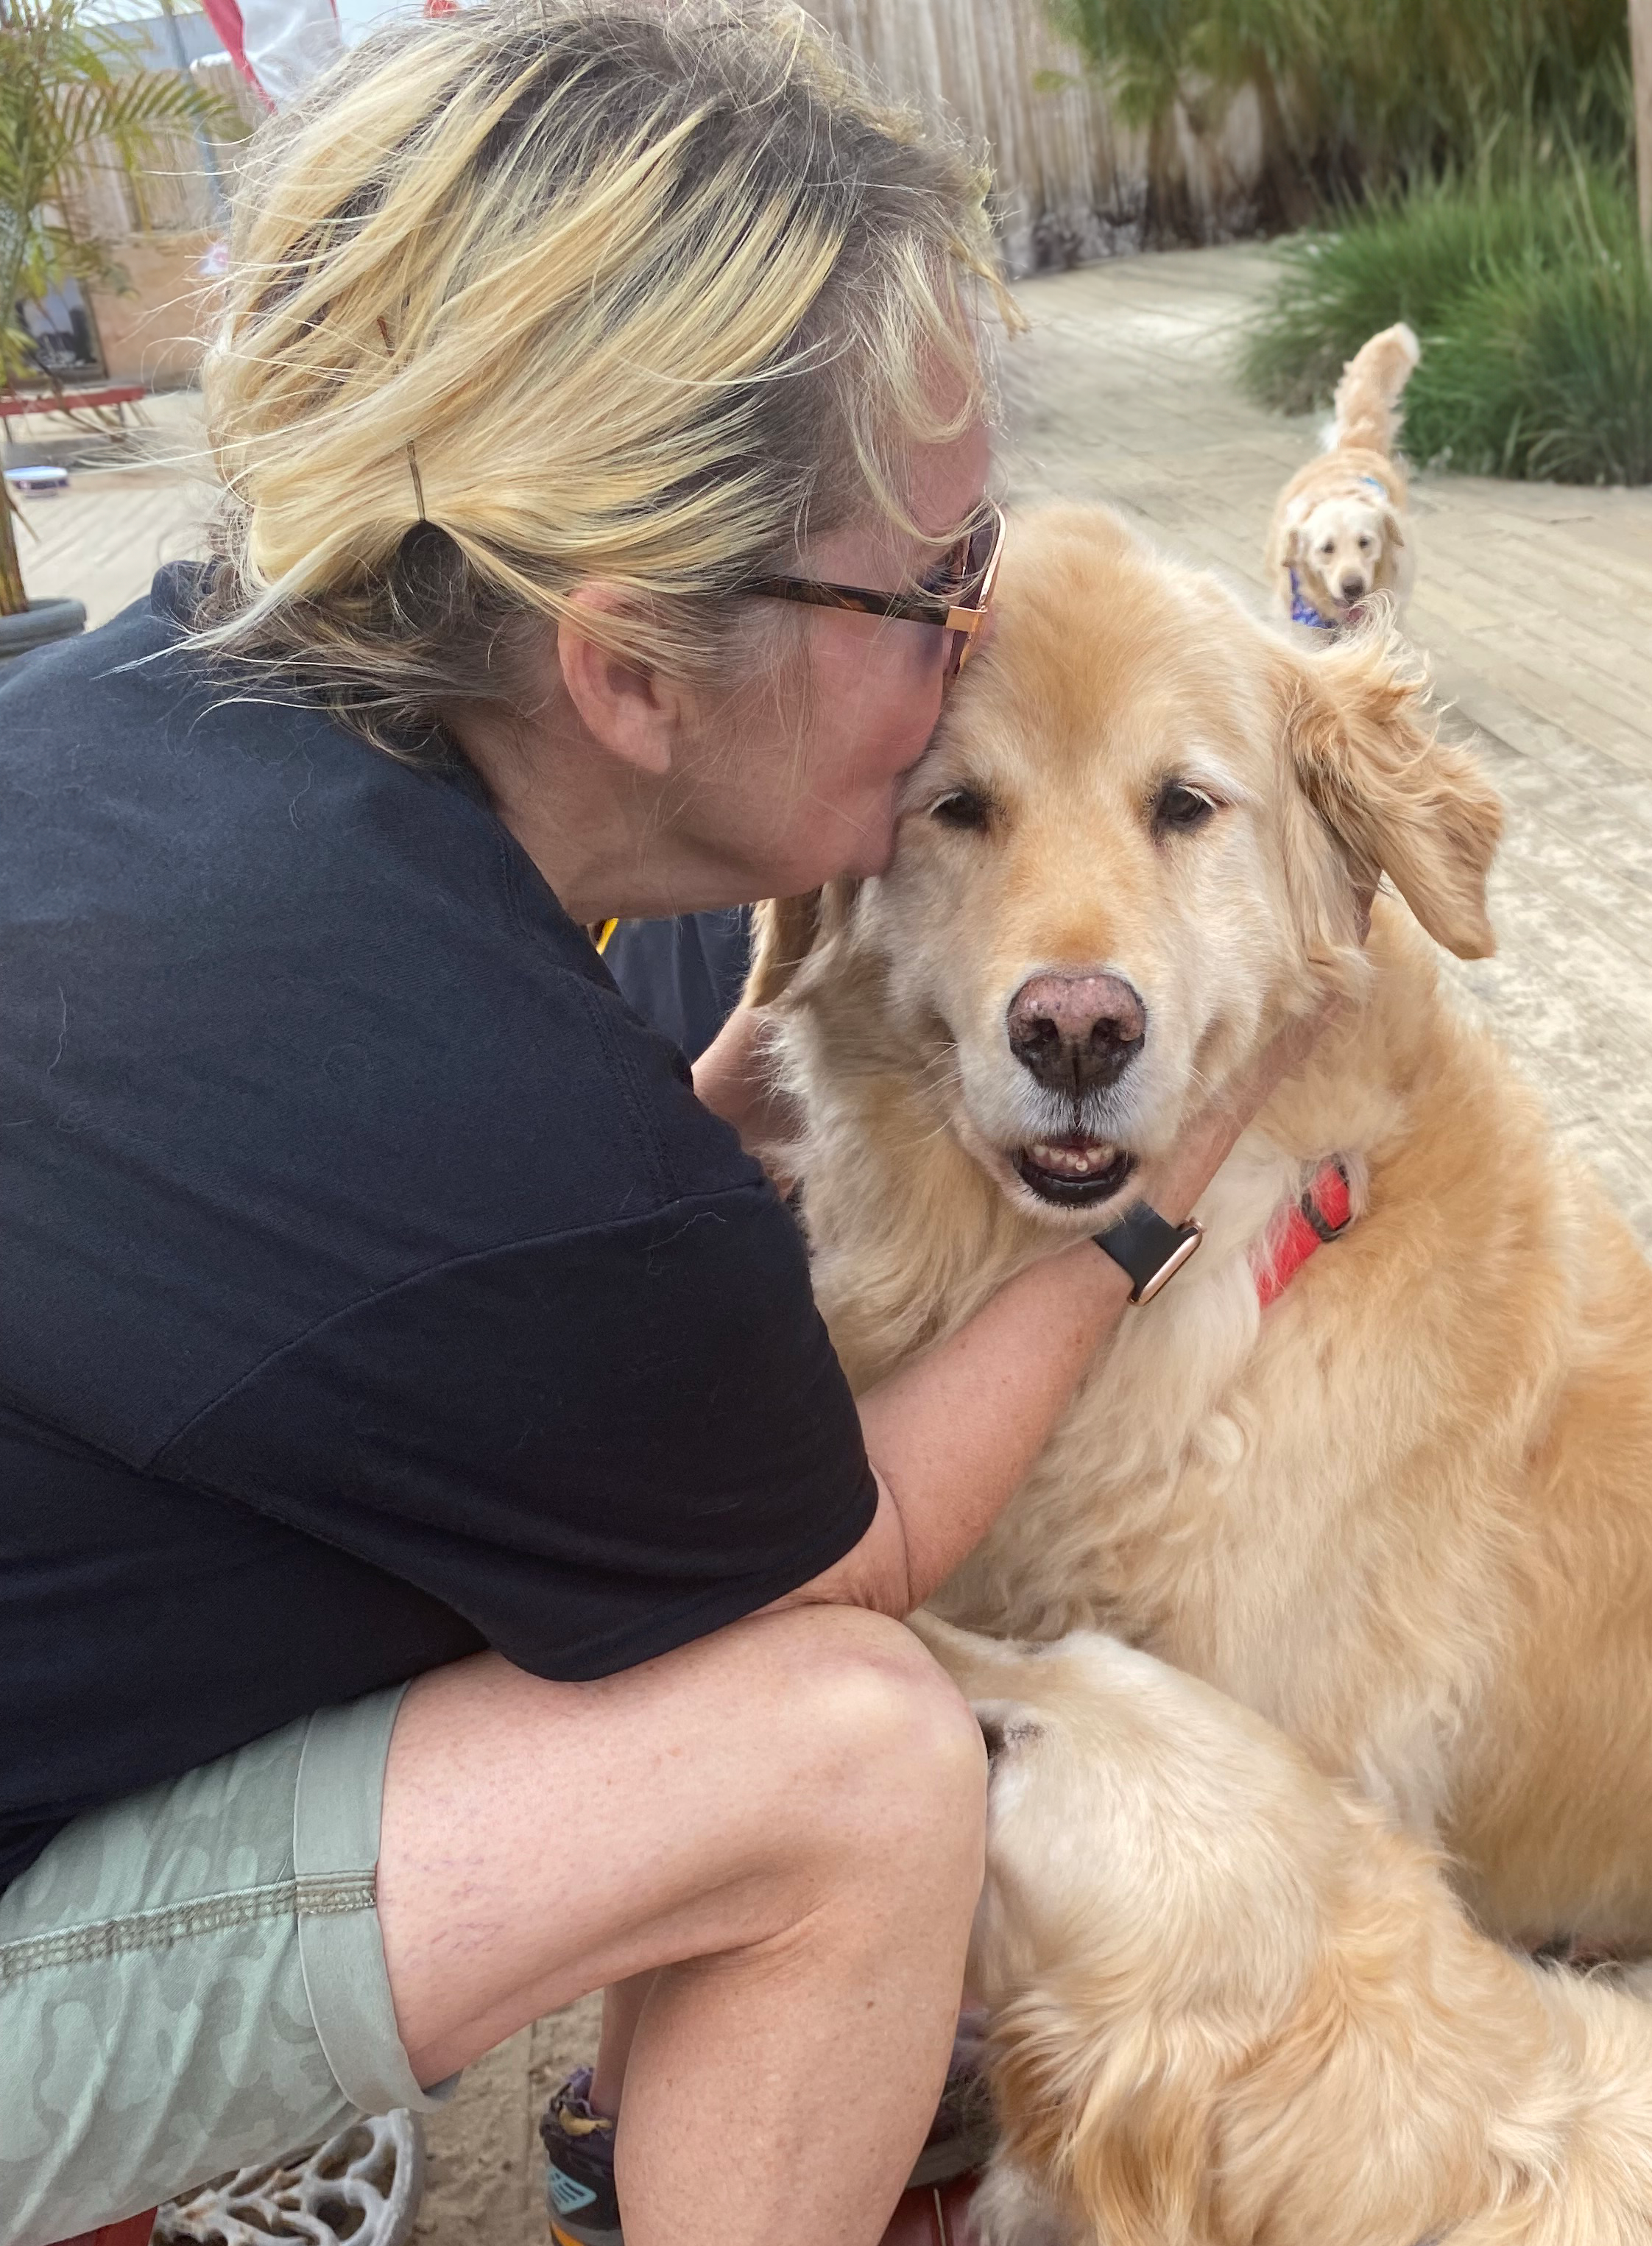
530, 295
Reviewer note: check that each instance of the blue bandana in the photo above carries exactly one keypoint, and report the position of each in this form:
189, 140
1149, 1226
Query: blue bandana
1302, 611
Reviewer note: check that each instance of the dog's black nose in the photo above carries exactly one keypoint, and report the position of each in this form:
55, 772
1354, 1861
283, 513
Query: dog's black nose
1352, 588
1076, 1032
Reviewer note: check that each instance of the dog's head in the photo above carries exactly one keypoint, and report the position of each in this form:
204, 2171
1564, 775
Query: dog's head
1151, 1924
1344, 548
1228, 2003
1126, 1803
1136, 848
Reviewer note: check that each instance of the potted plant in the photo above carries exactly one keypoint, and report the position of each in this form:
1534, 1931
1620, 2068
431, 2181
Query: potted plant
70, 97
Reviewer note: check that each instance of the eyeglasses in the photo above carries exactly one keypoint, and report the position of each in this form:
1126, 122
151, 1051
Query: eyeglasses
956, 596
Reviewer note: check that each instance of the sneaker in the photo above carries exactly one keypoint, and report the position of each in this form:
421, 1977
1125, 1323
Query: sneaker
579, 2187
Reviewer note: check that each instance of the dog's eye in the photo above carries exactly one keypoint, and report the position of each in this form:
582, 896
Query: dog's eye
1366, 539
962, 807
1328, 546
1178, 808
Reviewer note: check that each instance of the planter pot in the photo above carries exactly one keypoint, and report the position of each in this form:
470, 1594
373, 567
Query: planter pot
40, 621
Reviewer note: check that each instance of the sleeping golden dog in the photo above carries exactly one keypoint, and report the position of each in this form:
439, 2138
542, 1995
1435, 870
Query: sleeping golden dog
1228, 2005
1404, 1511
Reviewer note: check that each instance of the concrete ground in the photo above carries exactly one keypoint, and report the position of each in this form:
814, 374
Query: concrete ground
1534, 607
137, 501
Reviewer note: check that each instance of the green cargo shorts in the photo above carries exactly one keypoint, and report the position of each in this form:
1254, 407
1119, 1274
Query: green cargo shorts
192, 1980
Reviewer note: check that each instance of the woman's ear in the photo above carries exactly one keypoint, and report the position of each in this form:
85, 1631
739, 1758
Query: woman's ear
786, 930
1397, 799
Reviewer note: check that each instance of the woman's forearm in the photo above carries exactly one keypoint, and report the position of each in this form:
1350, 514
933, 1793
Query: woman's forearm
953, 1435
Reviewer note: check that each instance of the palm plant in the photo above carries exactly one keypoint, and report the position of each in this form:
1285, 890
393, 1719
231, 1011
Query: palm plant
69, 98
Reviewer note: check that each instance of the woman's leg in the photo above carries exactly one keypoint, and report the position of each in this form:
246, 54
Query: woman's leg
782, 1824
622, 2012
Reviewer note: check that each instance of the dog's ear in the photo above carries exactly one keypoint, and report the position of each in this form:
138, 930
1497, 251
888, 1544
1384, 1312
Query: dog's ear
1133, 2144
1291, 530
786, 930
783, 931
1393, 536
1397, 799
1142, 2160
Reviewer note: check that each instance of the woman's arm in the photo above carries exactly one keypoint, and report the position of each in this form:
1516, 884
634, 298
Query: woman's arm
952, 1435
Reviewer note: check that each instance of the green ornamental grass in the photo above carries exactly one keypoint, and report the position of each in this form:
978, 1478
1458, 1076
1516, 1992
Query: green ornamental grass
1532, 296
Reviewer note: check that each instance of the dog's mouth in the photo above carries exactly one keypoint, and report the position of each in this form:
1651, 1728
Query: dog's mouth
1072, 1173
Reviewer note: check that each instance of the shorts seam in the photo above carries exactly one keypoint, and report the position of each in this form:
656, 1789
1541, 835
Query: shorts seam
308, 1895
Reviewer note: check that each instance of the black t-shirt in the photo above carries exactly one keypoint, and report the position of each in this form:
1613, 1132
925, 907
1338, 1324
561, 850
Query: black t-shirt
683, 976
373, 1287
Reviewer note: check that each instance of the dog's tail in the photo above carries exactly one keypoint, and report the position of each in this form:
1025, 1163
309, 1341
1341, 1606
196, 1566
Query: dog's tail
1368, 394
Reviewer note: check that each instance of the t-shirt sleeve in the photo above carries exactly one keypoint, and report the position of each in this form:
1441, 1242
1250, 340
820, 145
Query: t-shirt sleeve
595, 1446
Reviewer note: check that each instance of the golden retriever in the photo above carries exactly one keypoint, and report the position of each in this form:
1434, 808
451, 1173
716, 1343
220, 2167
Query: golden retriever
1230, 2007
1404, 1512
1337, 534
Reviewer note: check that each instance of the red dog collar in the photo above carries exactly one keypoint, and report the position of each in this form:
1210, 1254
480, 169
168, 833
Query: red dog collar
1325, 1211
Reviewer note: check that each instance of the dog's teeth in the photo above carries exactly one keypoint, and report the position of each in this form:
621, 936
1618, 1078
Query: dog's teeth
1071, 1161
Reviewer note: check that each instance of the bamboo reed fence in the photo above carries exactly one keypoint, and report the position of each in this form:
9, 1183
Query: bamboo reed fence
1072, 184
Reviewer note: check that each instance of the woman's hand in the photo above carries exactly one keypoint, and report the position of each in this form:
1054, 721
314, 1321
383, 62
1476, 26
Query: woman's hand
734, 1078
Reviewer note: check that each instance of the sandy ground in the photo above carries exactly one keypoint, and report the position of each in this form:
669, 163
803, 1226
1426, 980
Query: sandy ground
1534, 605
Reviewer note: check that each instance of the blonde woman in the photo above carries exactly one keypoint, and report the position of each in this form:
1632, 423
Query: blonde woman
445, 1570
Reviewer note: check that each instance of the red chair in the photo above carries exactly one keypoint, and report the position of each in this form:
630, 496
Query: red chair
936, 2216
134, 2231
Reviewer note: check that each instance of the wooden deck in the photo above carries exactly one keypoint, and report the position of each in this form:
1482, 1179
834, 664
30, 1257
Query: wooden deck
1534, 605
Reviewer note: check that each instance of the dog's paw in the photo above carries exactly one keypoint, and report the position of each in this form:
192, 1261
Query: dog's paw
1009, 2209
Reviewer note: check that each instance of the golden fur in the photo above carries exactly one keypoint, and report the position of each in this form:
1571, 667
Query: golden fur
1405, 1513
1230, 2007
1339, 523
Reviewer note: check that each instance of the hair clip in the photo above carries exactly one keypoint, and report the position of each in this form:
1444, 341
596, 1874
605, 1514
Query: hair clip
413, 457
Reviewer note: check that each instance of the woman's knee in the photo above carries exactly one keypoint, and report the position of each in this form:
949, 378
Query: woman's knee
889, 1744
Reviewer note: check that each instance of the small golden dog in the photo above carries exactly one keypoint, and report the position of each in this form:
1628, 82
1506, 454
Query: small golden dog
1399, 1503
1337, 536
1230, 2007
